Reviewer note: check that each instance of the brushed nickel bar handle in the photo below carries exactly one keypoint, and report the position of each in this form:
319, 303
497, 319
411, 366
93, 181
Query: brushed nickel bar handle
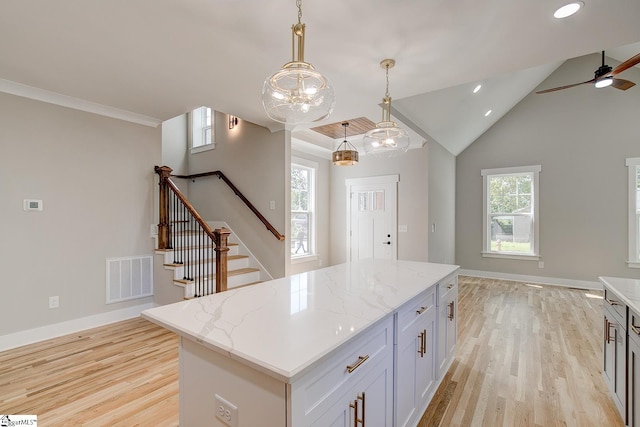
612, 301
635, 329
451, 310
424, 342
420, 352
450, 286
422, 309
361, 397
361, 360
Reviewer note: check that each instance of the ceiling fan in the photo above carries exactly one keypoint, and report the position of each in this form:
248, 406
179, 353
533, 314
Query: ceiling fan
604, 76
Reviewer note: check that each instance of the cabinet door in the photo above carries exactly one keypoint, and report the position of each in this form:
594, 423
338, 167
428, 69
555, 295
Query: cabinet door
447, 332
609, 352
633, 402
425, 368
373, 397
370, 400
615, 358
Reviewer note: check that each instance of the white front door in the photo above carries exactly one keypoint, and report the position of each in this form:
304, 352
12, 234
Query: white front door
372, 217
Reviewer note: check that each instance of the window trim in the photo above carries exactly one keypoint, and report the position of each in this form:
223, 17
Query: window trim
196, 131
632, 164
311, 241
486, 239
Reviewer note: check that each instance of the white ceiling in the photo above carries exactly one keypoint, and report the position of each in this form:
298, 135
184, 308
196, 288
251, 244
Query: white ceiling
161, 58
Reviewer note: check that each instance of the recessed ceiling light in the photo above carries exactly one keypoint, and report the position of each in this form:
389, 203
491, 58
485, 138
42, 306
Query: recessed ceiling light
477, 88
568, 9
487, 113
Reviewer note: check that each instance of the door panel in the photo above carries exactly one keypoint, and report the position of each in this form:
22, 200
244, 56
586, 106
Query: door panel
372, 218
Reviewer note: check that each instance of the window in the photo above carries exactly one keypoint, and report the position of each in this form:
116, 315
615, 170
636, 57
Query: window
634, 212
201, 125
302, 208
510, 206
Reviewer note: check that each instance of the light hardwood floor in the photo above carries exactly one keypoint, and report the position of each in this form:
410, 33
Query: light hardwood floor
526, 356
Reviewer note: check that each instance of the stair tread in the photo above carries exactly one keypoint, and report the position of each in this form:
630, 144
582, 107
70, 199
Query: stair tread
211, 276
188, 248
229, 258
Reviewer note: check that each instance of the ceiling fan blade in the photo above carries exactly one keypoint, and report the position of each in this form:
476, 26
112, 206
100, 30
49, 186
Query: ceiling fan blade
622, 84
566, 87
634, 60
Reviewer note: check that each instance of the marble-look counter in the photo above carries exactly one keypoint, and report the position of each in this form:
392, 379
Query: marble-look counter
627, 290
281, 327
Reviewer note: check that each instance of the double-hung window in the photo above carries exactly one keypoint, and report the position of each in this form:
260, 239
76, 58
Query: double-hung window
510, 212
201, 130
634, 212
303, 174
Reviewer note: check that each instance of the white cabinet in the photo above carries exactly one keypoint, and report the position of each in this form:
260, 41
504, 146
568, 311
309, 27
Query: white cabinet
355, 380
633, 371
369, 402
615, 350
447, 323
415, 357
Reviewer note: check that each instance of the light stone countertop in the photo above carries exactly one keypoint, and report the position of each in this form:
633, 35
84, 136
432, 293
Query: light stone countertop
281, 327
627, 290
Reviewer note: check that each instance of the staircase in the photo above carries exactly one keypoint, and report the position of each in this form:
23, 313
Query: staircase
198, 252
242, 267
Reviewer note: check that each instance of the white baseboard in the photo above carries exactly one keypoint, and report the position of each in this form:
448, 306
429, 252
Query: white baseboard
31, 336
570, 283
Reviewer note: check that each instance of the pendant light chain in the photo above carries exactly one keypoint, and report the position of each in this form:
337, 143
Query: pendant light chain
299, 4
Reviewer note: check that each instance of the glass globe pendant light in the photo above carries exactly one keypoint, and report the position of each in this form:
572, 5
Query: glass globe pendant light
298, 93
387, 137
346, 154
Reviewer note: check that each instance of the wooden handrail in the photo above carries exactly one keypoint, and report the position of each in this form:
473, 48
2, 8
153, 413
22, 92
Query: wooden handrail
237, 192
219, 236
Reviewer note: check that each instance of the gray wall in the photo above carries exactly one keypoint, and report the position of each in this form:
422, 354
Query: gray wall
412, 201
442, 204
256, 162
95, 177
581, 137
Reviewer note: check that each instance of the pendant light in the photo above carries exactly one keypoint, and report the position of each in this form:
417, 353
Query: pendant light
387, 137
297, 93
346, 154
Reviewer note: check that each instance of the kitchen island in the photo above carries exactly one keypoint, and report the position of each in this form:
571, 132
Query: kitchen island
335, 346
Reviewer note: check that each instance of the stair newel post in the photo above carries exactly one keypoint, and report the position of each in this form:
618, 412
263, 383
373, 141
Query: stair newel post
222, 238
164, 231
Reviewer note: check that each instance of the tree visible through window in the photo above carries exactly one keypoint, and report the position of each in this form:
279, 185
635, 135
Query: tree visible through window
510, 211
302, 205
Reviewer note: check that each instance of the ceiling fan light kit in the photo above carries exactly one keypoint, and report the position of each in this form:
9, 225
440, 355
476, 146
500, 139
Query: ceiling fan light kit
297, 93
387, 137
605, 76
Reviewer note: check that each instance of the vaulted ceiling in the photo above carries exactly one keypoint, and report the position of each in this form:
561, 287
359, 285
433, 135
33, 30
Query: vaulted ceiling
161, 58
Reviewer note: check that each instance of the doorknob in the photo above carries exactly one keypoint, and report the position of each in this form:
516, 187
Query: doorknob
386, 243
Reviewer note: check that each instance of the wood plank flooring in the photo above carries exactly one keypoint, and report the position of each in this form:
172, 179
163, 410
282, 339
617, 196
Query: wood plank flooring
526, 356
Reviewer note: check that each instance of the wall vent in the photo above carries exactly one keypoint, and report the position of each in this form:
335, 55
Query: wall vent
129, 278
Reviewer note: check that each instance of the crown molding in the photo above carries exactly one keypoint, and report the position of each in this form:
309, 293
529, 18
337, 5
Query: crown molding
19, 89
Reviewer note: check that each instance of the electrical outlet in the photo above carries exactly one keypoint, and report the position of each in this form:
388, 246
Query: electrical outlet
226, 412
54, 302
272, 205
540, 264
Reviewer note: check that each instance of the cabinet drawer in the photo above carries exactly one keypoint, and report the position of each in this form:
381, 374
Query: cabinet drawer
416, 309
318, 389
618, 308
446, 289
